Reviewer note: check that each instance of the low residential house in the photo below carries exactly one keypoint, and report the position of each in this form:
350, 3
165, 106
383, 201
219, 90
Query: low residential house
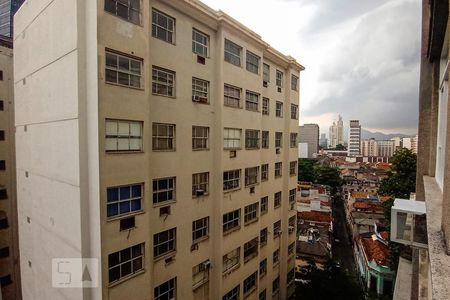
365, 214
316, 199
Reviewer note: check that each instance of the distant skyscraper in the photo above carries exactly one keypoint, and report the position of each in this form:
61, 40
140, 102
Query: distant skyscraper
7, 10
309, 133
337, 133
354, 141
323, 141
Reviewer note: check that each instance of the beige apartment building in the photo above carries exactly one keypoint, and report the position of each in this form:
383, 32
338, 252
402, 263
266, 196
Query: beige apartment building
160, 138
372, 147
9, 251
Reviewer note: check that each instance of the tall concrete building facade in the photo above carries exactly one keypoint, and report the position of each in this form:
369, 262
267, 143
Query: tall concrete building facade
166, 150
323, 141
354, 138
336, 133
309, 133
372, 147
9, 244
7, 10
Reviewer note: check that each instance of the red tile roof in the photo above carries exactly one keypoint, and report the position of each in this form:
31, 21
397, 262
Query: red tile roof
316, 216
365, 205
376, 250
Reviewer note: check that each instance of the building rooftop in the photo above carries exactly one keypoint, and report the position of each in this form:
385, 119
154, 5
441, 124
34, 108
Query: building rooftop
315, 216
375, 250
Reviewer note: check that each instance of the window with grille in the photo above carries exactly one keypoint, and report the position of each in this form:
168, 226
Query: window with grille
232, 96
129, 10
251, 213
293, 140
231, 259
163, 82
263, 237
251, 101
278, 139
163, 137
265, 139
231, 220
294, 112
264, 205
290, 276
262, 295
233, 294
249, 284
263, 267
200, 274
294, 82
264, 172
232, 138
123, 70
164, 242
126, 262
164, 190
200, 229
276, 257
123, 136
279, 109
291, 249
278, 169
279, 78
252, 61
251, 176
276, 285
233, 53
167, 290
251, 139
293, 168
250, 249
277, 199
200, 184
266, 72
276, 229
200, 138
163, 26
231, 180
292, 220
292, 195
200, 43
200, 90
265, 106
124, 200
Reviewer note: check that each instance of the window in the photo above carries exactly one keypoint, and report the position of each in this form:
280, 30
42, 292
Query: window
200, 138
200, 274
126, 9
263, 237
294, 82
251, 139
123, 70
252, 62
263, 267
276, 285
265, 106
251, 176
276, 229
164, 190
231, 220
231, 259
279, 109
266, 72
292, 195
278, 169
264, 172
125, 262
200, 43
200, 90
231, 180
277, 199
251, 101
2, 165
293, 168
276, 257
2, 107
164, 242
291, 249
123, 200
265, 139
264, 205
233, 53
262, 295
278, 139
293, 140
250, 249
167, 290
200, 229
251, 213
279, 78
232, 138
290, 276
294, 112
232, 96
163, 27
163, 82
163, 136
232, 295
200, 184
1, 75
123, 136
249, 284
291, 221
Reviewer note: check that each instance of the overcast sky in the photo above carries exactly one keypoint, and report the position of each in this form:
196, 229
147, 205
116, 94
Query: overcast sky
361, 56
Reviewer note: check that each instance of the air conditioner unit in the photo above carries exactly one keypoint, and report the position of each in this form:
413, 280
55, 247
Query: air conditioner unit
169, 260
201, 59
252, 190
277, 233
206, 264
291, 229
279, 90
194, 247
264, 83
232, 154
277, 150
199, 193
164, 211
200, 99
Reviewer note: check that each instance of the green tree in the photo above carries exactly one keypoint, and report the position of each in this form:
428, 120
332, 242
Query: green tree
306, 170
340, 147
328, 176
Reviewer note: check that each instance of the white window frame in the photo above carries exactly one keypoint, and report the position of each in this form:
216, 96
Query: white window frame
264, 172
130, 9
200, 274
163, 80
233, 294
251, 176
276, 228
171, 189
276, 257
200, 229
233, 180
156, 27
118, 202
266, 75
265, 106
170, 138
264, 205
294, 82
158, 242
251, 139
277, 198
200, 90
251, 213
292, 195
235, 138
232, 96
200, 138
231, 259
118, 135
134, 256
252, 62
133, 73
200, 47
265, 136
279, 78
279, 109
230, 54
249, 284
231, 220
263, 236
200, 181
294, 111
278, 139
262, 268
293, 140
162, 295
251, 249
251, 101
293, 168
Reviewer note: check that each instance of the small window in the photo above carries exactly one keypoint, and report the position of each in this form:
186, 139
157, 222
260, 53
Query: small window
200, 274
2, 165
293, 140
278, 139
279, 79
163, 137
290, 276
164, 190
251, 139
3, 193
279, 109
278, 169
4, 252
233, 53
232, 138
231, 259
276, 257
294, 82
265, 106
163, 82
252, 62
291, 249
266, 72
276, 286
126, 9
2, 107
294, 112
277, 200
231, 180
123, 136
251, 101
249, 284
292, 195
164, 242
292, 220
277, 228
231, 220
251, 176
126, 262
200, 184
263, 237
5, 280
200, 90
163, 27
233, 294
264, 205
123, 70
263, 267
251, 249
265, 139
232, 96
200, 43
1, 75
124, 200
200, 229
200, 138
251, 213
262, 295
264, 172
293, 168
167, 290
